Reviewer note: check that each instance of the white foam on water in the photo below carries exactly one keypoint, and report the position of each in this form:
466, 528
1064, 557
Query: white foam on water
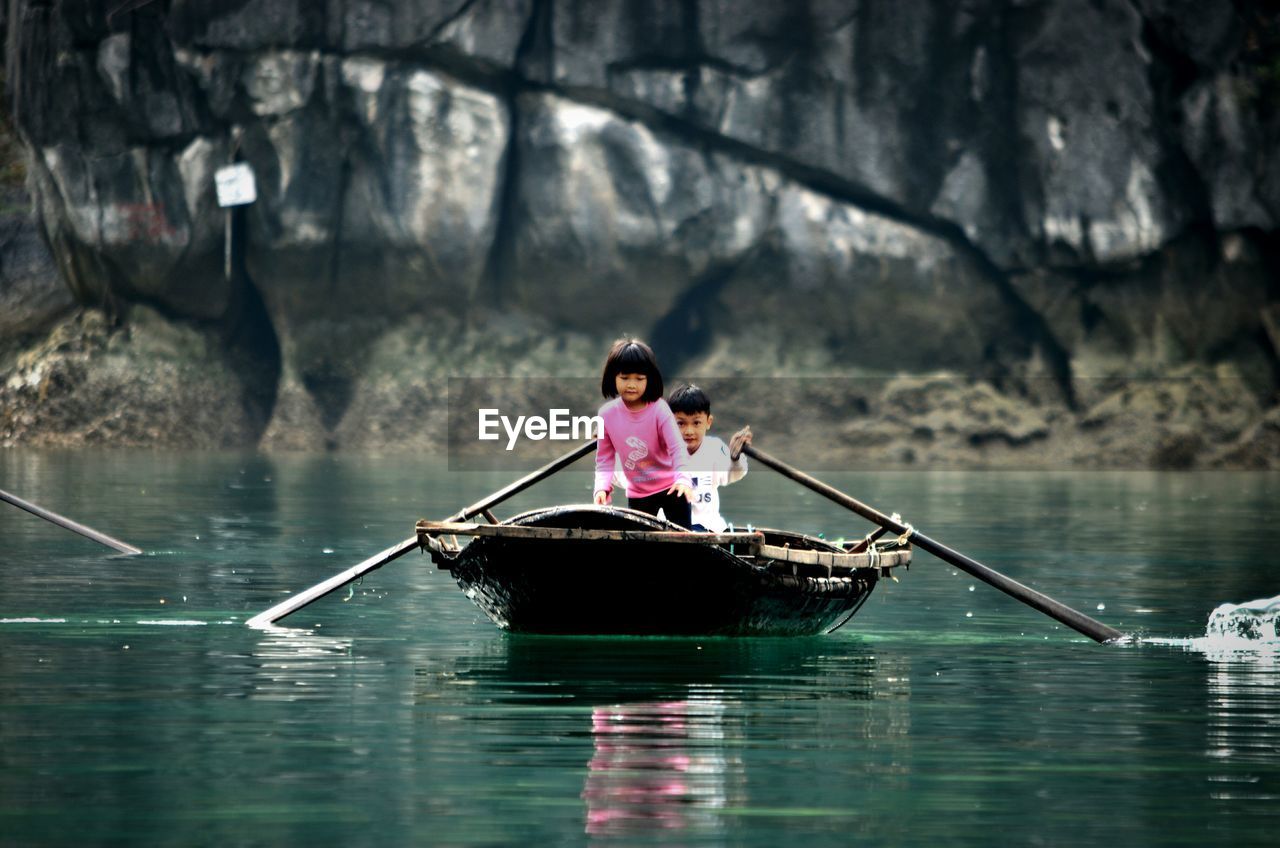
1254, 621
33, 621
173, 622
1245, 632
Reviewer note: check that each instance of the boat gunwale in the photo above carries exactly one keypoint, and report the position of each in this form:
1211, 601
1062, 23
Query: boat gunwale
519, 531
834, 560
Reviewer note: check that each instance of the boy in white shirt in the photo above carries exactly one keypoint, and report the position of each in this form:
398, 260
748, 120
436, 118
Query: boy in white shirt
710, 460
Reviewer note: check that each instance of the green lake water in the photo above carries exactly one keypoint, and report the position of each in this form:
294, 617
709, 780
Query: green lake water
136, 708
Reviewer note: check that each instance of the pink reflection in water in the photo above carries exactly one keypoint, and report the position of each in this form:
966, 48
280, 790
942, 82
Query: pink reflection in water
657, 766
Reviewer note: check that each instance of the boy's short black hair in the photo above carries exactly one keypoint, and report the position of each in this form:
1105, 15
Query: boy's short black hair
690, 400
631, 356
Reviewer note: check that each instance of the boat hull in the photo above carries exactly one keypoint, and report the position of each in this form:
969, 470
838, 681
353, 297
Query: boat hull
584, 586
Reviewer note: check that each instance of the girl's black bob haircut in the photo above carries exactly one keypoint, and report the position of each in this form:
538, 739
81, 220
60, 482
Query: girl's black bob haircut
690, 400
631, 356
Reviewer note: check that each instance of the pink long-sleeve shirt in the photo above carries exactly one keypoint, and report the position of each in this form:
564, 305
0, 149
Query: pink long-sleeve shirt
648, 444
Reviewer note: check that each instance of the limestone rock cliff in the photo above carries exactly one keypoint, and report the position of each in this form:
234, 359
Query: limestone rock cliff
1049, 206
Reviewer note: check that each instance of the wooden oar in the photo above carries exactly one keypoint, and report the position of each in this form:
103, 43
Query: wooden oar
337, 581
68, 524
1072, 618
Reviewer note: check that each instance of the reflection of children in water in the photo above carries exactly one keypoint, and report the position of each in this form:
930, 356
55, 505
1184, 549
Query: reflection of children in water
658, 766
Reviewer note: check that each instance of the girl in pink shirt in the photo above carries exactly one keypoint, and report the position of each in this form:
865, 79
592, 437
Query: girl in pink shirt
640, 430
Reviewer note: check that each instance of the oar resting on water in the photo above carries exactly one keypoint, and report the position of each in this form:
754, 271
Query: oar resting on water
296, 602
67, 524
1072, 618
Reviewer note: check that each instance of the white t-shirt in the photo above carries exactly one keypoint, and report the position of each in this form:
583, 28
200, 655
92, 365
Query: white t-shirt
708, 469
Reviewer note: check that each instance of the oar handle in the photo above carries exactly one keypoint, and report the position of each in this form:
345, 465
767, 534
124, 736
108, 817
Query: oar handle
1074, 619
68, 524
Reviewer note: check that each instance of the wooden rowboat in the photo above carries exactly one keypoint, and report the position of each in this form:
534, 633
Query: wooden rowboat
588, 569
606, 570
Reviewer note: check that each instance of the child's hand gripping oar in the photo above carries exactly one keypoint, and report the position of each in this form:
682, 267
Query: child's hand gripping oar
296, 602
1072, 618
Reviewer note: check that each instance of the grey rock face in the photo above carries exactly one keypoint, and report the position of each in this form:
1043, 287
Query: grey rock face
1076, 190
617, 221
1092, 192
1033, 128
866, 292
1185, 307
489, 30
1222, 134
140, 224
32, 295
620, 222
844, 88
396, 215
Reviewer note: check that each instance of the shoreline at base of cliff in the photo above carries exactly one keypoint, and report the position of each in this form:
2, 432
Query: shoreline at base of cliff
151, 382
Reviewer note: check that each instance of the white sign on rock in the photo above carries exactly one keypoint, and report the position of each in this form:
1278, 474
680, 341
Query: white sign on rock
236, 186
